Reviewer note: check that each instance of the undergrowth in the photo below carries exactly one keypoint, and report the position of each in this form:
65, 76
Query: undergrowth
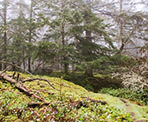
138, 96
94, 84
70, 104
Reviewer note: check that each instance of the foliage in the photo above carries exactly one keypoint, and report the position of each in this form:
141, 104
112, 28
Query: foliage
16, 55
107, 64
139, 97
46, 50
100, 63
80, 40
88, 44
132, 81
122, 60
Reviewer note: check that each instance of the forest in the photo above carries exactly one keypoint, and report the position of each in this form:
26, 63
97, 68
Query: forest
73, 60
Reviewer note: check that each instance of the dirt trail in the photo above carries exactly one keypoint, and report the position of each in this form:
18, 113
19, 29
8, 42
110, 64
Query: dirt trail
128, 108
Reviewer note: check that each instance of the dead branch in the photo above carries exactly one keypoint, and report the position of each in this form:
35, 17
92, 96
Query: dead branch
34, 105
13, 76
96, 101
18, 76
7, 68
5, 62
40, 79
20, 86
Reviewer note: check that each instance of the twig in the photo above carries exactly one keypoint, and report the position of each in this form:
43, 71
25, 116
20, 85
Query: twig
13, 76
5, 62
41, 79
7, 68
17, 78
40, 105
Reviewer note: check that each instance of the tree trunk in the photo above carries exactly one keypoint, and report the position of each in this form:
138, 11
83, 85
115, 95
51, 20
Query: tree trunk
89, 72
29, 64
5, 33
24, 65
30, 34
66, 65
121, 27
65, 59
0, 66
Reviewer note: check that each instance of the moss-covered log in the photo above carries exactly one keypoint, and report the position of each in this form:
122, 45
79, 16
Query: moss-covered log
20, 86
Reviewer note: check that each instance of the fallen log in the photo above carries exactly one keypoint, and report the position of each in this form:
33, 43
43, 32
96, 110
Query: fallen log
20, 86
6, 77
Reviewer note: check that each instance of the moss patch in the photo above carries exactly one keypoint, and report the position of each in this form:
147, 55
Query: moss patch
68, 102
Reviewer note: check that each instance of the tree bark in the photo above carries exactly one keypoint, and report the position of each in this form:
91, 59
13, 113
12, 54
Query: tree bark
30, 34
5, 32
0, 66
121, 27
65, 58
88, 71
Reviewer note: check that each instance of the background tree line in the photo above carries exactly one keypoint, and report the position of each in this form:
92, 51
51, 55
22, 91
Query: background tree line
69, 35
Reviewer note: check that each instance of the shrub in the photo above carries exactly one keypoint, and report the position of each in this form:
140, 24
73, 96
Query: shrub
138, 96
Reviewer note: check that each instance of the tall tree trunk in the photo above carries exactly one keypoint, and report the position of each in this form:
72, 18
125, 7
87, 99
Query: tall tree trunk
30, 34
121, 27
24, 63
88, 71
65, 58
5, 32
63, 43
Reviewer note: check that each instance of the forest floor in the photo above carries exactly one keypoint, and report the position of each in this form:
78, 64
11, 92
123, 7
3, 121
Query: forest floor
66, 102
138, 113
130, 110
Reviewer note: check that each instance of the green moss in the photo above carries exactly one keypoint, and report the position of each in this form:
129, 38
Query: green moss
63, 101
137, 96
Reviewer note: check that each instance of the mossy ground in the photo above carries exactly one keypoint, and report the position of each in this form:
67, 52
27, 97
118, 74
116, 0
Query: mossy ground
63, 104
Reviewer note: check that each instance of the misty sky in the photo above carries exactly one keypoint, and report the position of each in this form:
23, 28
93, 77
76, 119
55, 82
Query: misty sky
139, 7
